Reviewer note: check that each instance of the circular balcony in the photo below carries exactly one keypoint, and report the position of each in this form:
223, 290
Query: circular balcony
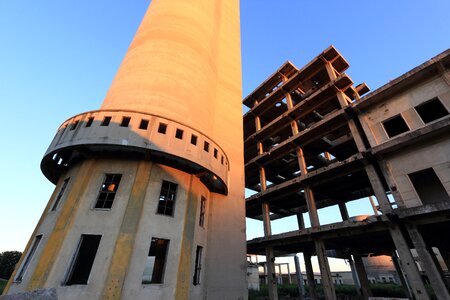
137, 135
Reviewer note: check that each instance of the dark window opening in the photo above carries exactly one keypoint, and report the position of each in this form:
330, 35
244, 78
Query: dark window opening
201, 220
431, 110
156, 260
167, 198
162, 128
89, 121
30, 255
215, 153
125, 122
60, 194
198, 265
221, 160
106, 121
428, 187
144, 124
108, 191
83, 260
395, 126
206, 146
179, 134
74, 125
193, 139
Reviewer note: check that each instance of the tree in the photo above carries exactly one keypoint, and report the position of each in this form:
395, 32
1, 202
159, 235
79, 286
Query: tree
8, 261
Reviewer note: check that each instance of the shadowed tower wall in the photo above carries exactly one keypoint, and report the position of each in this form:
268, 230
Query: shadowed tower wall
172, 115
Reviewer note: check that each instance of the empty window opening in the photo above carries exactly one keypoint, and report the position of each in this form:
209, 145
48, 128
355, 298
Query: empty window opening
108, 191
179, 134
89, 121
167, 198
74, 125
125, 122
83, 259
143, 125
162, 128
30, 255
201, 220
221, 159
215, 153
60, 194
193, 139
428, 187
156, 260
431, 110
198, 265
106, 121
206, 146
395, 126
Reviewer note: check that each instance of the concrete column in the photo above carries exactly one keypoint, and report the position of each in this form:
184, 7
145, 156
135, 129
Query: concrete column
343, 210
299, 276
429, 265
445, 256
289, 274
401, 275
374, 207
355, 276
408, 264
362, 276
310, 276
271, 275
300, 221
327, 282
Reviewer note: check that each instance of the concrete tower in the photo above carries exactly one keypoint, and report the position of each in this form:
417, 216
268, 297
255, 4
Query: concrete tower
149, 190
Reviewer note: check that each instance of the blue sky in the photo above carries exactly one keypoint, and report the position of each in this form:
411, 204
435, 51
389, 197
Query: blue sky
58, 58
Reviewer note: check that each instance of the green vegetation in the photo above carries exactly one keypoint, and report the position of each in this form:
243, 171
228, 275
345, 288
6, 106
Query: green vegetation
2, 285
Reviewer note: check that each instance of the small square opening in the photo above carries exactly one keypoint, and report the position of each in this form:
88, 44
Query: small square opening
395, 126
89, 121
74, 125
193, 139
162, 128
431, 110
206, 146
106, 121
215, 153
125, 122
144, 124
179, 134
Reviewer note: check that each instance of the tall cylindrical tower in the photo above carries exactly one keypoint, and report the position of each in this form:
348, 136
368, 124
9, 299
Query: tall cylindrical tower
149, 190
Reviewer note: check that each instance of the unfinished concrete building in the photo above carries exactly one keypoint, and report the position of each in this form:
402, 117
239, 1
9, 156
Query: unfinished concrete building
149, 195
311, 141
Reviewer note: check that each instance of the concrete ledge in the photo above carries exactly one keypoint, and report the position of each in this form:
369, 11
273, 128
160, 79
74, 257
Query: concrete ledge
42, 294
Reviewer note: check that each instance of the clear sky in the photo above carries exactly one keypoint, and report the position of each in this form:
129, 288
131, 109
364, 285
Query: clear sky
58, 58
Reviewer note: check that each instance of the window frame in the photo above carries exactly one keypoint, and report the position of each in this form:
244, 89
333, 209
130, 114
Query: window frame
101, 191
27, 261
161, 198
162, 260
60, 194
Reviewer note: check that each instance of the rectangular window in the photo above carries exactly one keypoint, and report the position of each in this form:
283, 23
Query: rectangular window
395, 126
108, 191
431, 110
89, 121
125, 122
162, 128
167, 198
83, 260
221, 159
198, 265
206, 146
60, 194
106, 121
429, 187
193, 139
74, 125
179, 134
156, 260
201, 220
143, 125
215, 153
29, 257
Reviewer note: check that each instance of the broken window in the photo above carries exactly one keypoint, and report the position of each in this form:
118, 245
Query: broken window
156, 260
83, 260
106, 121
395, 126
198, 265
167, 198
89, 121
108, 191
179, 134
201, 220
30, 255
125, 122
206, 146
60, 194
193, 139
143, 125
428, 186
431, 110
162, 128
74, 125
